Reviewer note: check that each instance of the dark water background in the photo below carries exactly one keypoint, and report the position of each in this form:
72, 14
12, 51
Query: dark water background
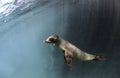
92, 25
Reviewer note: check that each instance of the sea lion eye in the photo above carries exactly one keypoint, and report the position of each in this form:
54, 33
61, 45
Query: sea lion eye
52, 39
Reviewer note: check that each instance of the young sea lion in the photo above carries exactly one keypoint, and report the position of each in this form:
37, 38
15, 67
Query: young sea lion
71, 51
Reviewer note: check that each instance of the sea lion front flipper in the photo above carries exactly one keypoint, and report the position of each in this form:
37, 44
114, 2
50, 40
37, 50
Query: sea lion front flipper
68, 59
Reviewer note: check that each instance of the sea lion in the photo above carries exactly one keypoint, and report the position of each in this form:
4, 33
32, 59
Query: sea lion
71, 51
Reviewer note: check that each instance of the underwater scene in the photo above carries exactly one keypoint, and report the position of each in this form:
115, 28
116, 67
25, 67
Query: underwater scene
42, 38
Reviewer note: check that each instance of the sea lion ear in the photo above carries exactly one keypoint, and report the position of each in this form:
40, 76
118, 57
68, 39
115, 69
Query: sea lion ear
56, 36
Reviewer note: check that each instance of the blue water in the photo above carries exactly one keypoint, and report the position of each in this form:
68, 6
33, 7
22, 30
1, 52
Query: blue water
91, 25
22, 32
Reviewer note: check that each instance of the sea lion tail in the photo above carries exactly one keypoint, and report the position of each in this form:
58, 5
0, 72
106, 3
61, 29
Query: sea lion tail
99, 58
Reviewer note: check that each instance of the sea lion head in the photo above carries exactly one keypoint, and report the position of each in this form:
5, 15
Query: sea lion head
52, 39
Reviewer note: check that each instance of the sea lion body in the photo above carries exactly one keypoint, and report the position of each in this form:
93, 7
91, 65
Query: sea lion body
74, 51
71, 51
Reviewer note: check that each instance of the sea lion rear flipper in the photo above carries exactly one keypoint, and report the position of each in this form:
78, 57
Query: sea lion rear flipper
68, 59
99, 57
